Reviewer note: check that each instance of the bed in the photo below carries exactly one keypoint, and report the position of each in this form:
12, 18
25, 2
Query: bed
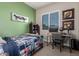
23, 45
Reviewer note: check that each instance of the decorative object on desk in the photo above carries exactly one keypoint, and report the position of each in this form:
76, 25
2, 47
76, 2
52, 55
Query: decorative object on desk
61, 29
68, 25
68, 29
68, 14
17, 17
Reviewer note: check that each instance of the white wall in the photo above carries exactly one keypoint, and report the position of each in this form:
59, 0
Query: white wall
59, 6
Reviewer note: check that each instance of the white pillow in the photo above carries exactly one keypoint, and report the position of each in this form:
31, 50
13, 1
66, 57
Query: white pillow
32, 34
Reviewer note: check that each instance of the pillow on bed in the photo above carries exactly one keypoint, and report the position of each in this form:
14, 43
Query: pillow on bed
2, 41
32, 34
14, 37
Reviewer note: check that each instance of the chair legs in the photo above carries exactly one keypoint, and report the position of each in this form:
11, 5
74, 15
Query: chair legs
52, 45
60, 48
70, 50
61, 45
71, 46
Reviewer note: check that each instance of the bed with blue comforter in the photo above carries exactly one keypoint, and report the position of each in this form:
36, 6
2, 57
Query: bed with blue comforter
24, 45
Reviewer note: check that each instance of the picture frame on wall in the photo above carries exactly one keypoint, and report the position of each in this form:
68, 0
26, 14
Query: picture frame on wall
68, 14
68, 25
18, 18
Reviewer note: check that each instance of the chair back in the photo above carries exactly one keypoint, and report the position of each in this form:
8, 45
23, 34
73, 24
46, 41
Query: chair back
57, 36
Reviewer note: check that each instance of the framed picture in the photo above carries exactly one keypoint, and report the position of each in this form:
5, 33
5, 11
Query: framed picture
17, 17
68, 14
68, 25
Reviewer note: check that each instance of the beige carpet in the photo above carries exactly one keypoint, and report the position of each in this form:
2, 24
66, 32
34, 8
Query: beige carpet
48, 51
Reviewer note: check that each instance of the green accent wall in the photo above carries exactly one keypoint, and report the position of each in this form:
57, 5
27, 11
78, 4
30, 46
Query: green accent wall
13, 28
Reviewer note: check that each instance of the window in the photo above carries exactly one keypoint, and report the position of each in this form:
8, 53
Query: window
45, 22
51, 21
54, 22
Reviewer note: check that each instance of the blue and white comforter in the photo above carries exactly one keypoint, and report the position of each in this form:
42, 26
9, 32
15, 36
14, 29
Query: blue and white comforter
22, 45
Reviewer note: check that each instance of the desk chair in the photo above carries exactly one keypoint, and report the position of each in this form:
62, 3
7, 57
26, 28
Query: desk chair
57, 40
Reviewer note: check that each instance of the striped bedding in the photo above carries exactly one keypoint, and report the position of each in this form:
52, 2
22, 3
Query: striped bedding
23, 45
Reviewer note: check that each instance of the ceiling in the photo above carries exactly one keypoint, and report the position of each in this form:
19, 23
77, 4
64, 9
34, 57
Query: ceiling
37, 5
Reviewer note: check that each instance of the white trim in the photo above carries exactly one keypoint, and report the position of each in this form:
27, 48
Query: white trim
44, 13
54, 11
